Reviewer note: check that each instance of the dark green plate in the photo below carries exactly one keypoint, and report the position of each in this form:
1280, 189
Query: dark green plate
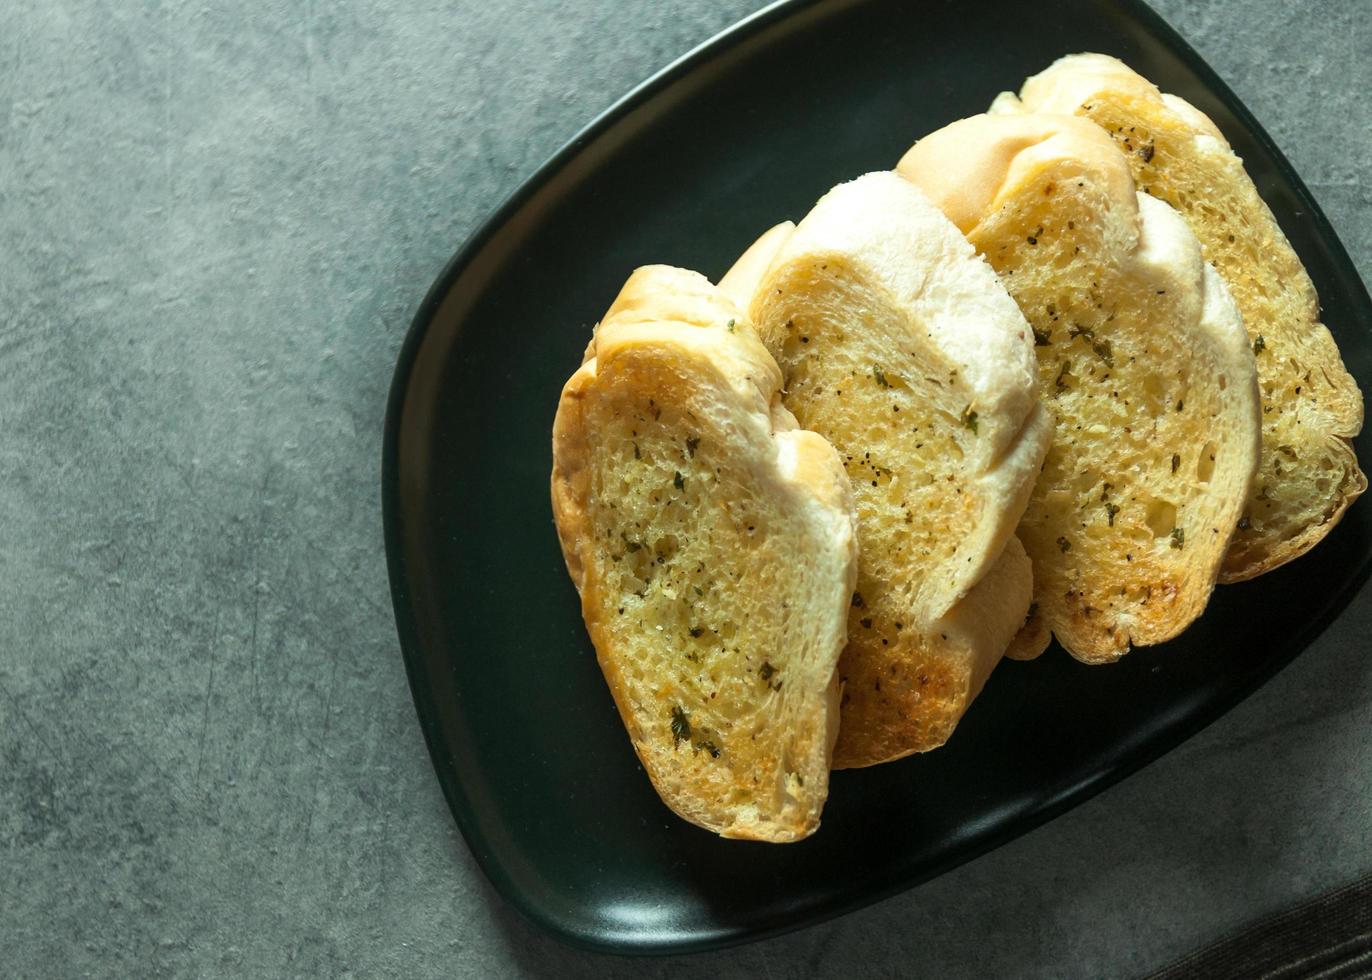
741, 133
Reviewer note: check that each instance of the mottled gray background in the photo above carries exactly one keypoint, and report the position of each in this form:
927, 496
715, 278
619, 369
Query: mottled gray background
216, 220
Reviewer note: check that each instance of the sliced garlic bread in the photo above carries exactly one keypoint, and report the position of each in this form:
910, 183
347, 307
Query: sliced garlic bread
1142, 359
714, 547
1311, 405
898, 346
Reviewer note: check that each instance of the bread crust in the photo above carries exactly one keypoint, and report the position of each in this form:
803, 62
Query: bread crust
741, 281
1016, 162
673, 337
1167, 140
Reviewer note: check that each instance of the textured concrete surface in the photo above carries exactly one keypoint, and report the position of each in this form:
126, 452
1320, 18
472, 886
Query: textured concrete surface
215, 223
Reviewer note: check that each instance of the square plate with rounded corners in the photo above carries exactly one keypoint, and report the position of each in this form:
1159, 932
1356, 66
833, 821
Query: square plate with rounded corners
747, 130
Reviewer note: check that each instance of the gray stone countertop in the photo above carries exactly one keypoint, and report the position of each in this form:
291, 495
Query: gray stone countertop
216, 221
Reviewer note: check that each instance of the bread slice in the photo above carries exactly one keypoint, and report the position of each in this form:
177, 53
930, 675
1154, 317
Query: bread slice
1142, 360
900, 348
1311, 405
714, 547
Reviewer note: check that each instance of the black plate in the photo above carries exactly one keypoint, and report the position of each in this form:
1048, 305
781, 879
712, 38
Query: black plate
743, 132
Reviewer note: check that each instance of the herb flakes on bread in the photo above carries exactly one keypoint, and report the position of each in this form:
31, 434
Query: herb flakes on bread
713, 545
1142, 360
1311, 406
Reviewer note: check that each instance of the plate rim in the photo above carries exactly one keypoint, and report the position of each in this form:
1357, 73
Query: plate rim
565, 929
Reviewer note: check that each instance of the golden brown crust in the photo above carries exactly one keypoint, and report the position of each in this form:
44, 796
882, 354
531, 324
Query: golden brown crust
909, 696
1032, 639
924, 697
571, 450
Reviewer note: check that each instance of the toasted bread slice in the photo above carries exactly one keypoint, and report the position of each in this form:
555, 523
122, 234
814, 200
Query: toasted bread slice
1311, 405
714, 546
899, 347
1142, 359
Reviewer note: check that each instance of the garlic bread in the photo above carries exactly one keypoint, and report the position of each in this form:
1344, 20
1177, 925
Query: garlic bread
713, 545
1142, 361
899, 346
